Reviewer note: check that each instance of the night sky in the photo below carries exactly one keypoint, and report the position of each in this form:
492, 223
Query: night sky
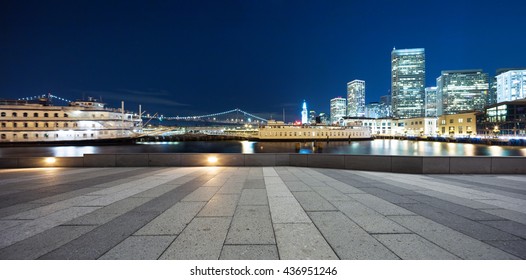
193, 57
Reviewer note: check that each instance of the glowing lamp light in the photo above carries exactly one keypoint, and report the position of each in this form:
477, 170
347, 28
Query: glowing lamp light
50, 160
212, 159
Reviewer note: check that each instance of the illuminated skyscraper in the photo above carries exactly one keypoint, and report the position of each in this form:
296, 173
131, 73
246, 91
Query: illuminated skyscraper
462, 90
304, 118
431, 102
408, 73
356, 98
338, 109
511, 84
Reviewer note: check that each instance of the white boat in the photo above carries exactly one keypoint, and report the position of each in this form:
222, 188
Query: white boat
279, 131
22, 122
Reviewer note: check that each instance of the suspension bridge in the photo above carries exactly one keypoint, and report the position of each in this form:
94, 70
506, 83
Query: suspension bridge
235, 116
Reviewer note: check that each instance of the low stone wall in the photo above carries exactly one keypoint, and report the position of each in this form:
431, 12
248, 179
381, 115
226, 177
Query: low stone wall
398, 164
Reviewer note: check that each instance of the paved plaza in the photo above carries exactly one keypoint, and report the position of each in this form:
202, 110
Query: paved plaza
265, 213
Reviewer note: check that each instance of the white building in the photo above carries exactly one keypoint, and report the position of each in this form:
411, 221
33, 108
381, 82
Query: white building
338, 109
511, 85
356, 98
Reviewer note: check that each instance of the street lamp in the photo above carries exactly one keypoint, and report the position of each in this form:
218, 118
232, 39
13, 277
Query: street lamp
496, 131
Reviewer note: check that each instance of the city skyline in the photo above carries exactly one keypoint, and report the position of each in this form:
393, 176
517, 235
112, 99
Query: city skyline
183, 58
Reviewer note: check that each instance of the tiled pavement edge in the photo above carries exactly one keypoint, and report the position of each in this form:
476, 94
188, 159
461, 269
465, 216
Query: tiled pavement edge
258, 213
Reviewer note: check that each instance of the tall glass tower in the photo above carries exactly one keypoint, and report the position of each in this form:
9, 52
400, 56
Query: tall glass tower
408, 72
338, 109
462, 90
511, 84
356, 98
431, 102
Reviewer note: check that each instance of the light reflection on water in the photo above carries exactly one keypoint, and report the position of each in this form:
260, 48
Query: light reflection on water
375, 147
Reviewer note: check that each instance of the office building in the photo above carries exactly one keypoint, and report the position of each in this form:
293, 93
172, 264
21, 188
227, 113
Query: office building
373, 110
458, 125
431, 102
356, 98
462, 90
312, 116
385, 106
505, 118
408, 82
511, 84
338, 109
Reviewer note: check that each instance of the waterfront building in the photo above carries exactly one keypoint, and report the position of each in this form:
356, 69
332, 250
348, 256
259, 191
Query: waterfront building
511, 84
356, 98
431, 102
458, 125
408, 82
462, 90
423, 126
504, 118
304, 118
338, 109
383, 126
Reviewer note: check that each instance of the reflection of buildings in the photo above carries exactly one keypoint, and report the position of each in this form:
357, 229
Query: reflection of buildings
338, 109
461, 124
511, 84
462, 90
356, 98
505, 118
407, 82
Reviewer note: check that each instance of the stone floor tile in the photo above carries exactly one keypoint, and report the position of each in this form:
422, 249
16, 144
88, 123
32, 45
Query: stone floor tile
249, 252
202, 239
302, 242
413, 247
139, 248
347, 239
453, 241
251, 225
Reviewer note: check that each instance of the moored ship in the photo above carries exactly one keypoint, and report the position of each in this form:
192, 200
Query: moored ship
85, 121
279, 131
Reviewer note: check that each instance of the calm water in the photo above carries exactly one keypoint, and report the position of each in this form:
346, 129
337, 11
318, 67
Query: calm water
376, 147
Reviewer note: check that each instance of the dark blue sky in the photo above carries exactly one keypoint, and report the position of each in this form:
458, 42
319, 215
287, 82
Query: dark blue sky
192, 57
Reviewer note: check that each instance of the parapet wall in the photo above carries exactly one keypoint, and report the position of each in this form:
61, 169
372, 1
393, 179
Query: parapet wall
398, 164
